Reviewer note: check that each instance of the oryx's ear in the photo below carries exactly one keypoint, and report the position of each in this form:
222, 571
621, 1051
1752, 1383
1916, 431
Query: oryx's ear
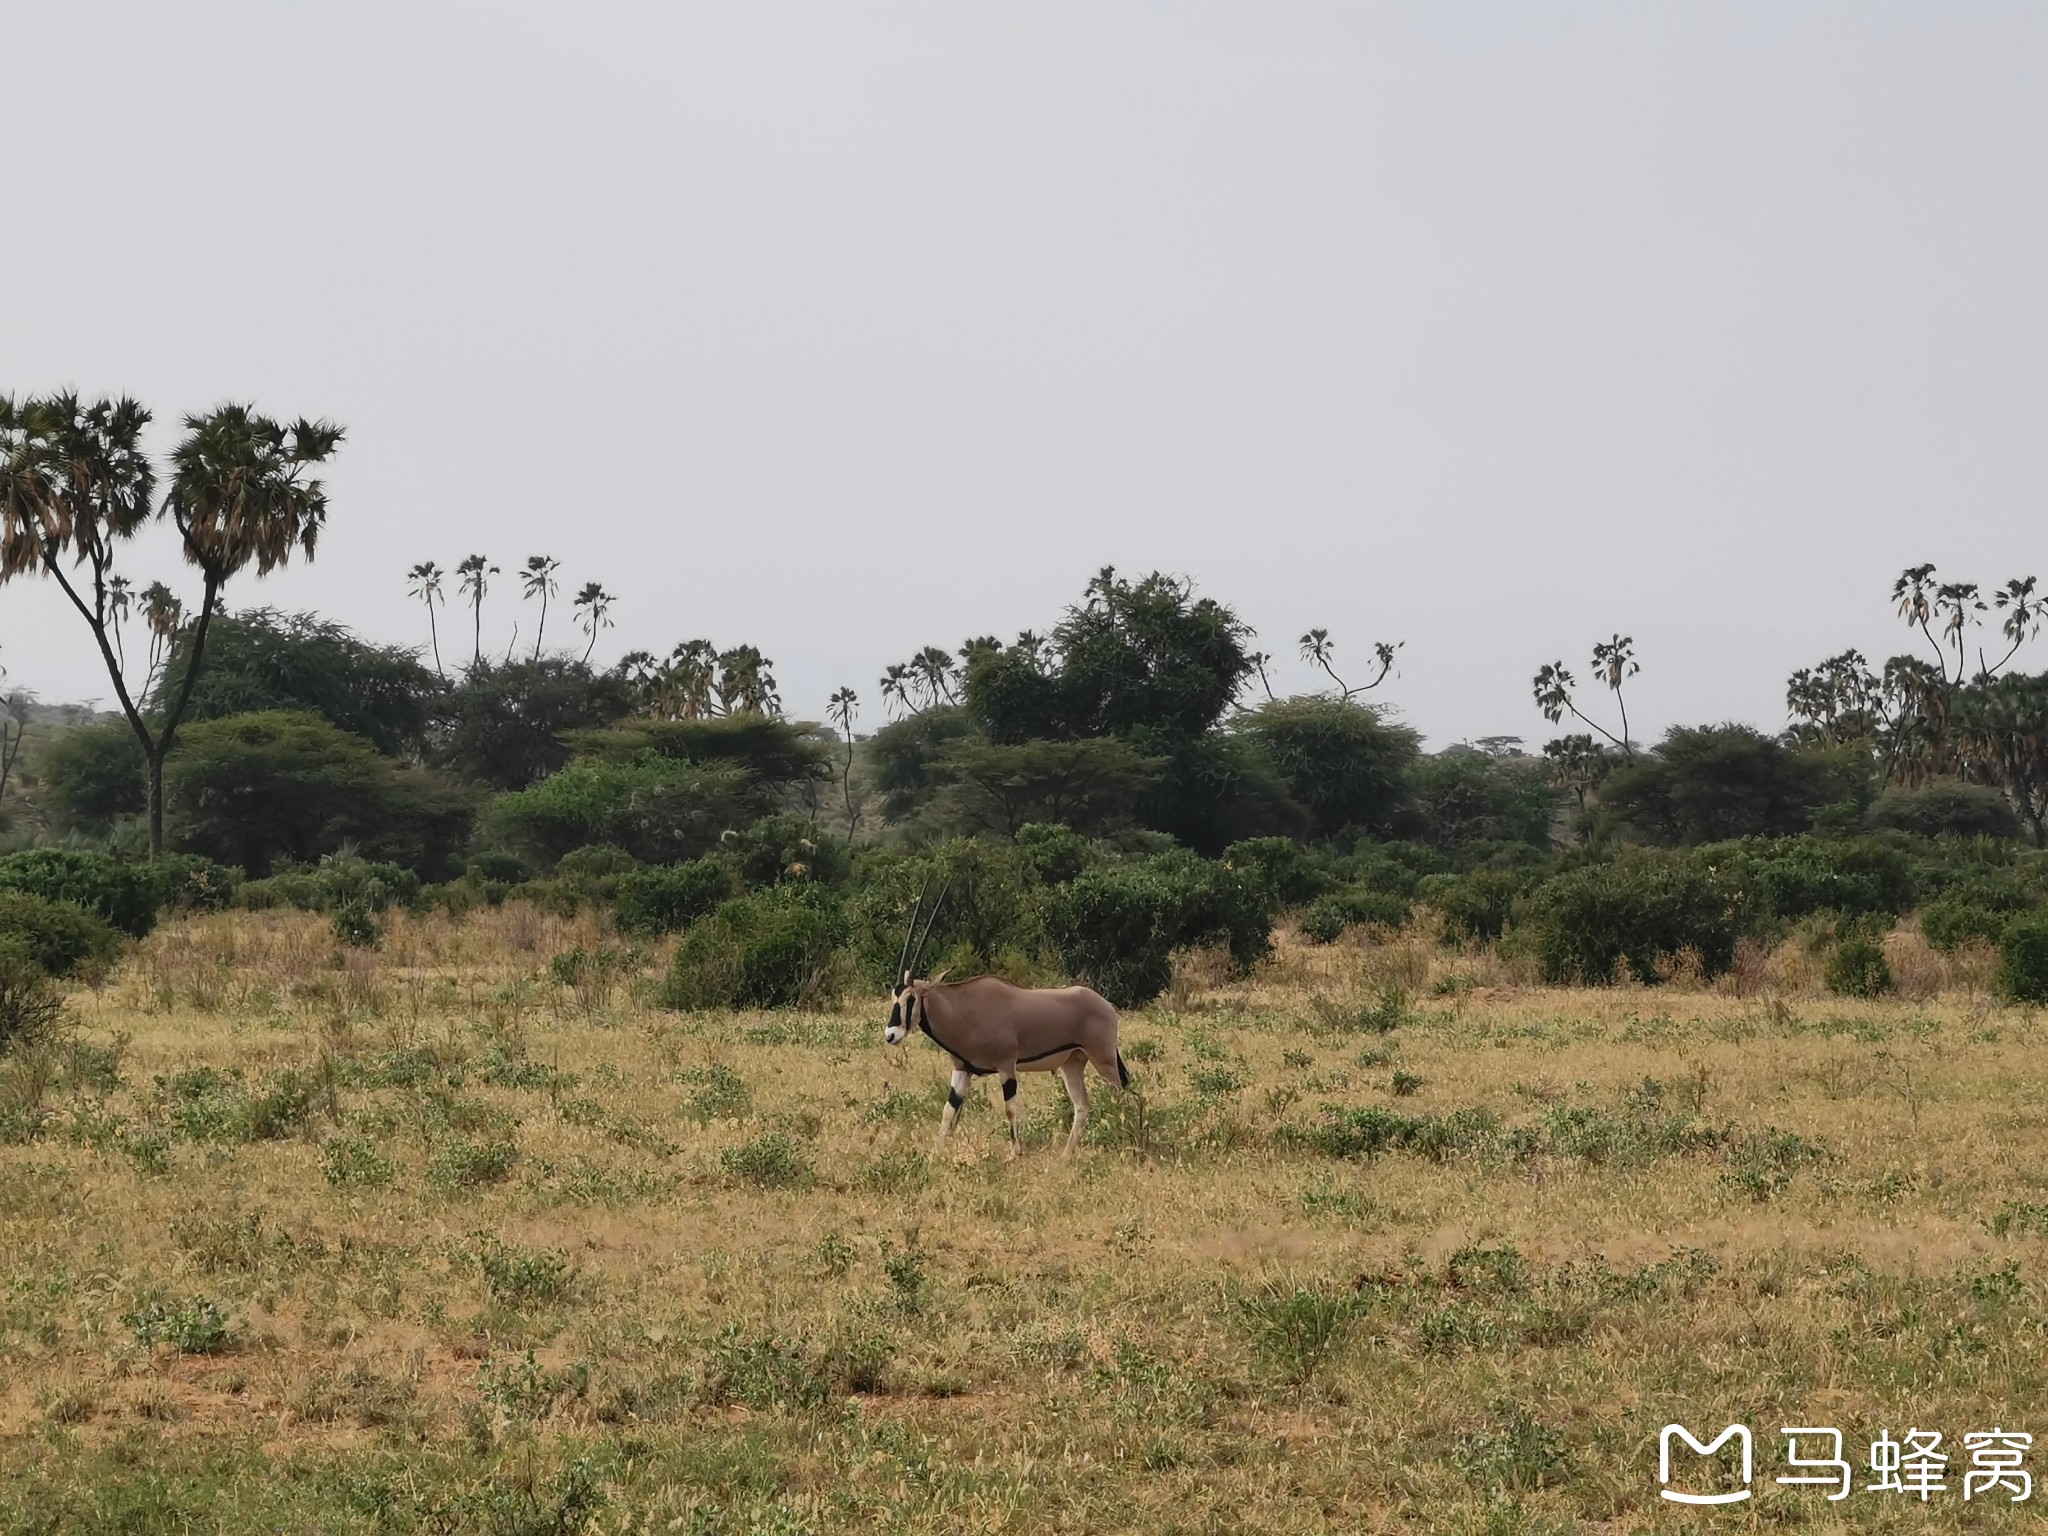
942, 975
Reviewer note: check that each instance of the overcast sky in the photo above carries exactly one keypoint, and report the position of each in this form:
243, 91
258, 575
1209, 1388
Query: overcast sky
843, 329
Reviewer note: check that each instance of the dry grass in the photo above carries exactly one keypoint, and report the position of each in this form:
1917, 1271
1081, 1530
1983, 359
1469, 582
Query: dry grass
500, 1253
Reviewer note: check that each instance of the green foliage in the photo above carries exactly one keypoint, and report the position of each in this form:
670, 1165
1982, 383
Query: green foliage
1117, 927
1291, 872
1858, 968
787, 848
717, 1092
989, 918
1054, 854
464, 1164
340, 880
903, 755
506, 724
261, 660
767, 950
1328, 917
197, 1326
670, 897
264, 789
1299, 1327
655, 808
124, 895
1089, 784
1790, 878
1341, 762
773, 1160
58, 937
520, 1277
2023, 960
355, 926
1946, 808
1643, 908
353, 1162
1462, 795
1708, 784
209, 1104
29, 1005
774, 752
1954, 921
1475, 906
94, 776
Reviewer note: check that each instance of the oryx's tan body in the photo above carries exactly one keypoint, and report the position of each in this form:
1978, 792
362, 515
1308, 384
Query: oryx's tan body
990, 1027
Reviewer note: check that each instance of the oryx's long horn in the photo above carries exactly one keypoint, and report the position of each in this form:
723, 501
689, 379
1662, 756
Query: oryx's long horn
917, 954
910, 933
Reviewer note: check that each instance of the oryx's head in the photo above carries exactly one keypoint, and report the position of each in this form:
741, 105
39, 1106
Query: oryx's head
906, 1005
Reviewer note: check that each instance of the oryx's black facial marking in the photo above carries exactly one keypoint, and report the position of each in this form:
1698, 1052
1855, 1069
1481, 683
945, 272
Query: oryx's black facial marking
1009, 1088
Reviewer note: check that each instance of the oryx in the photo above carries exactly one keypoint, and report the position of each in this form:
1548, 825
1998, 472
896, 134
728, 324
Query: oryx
990, 1027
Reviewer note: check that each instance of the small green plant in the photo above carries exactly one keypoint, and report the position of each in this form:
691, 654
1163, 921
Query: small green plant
1405, 1084
835, 1254
472, 1164
717, 1092
194, 1327
774, 1160
1858, 968
521, 1276
1297, 1328
1516, 1452
905, 1271
356, 925
353, 1162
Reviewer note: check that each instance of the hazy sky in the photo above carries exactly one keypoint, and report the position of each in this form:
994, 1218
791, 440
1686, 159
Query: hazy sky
843, 329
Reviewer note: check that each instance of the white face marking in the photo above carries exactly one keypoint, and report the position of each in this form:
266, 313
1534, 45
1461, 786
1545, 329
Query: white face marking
899, 1020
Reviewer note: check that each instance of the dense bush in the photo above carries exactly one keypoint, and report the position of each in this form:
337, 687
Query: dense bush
1644, 909
669, 897
1709, 784
1790, 878
1291, 872
59, 936
124, 895
2023, 960
1343, 763
771, 949
29, 1005
1116, 928
1474, 906
1945, 809
1328, 916
1952, 922
1462, 795
281, 788
1858, 968
783, 848
94, 776
655, 808
1054, 854
333, 884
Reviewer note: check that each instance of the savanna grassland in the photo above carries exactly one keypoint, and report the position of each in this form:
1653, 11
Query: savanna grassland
463, 1233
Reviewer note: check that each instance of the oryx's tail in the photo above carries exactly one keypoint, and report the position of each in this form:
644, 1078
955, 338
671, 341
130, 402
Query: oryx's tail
1123, 1073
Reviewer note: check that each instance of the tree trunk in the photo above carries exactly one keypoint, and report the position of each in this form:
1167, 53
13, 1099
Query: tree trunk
156, 806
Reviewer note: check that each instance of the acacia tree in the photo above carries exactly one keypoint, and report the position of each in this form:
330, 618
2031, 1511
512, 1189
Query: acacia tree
75, 482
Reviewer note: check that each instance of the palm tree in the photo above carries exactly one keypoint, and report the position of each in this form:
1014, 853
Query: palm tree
933, 668
1615, 661
1554, 686
896, 689
539, 580
475, 574
164, 614
426, 586
746, 685
119, 599
1318, 647
841, 709
595, 605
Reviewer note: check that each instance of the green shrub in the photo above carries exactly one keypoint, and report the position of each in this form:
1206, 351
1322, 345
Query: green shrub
501, 865
1054, 853
1858, 968
522, 1276
1475, 906
775, 1160
1291, 872
1954, 921
767, 950
1328, 916
472, 1164
333, 883
194, 1327
354, 1162
60, 937
185, 882
2023, 960
123, 895
670, 896
1946, 809
1642, 909
29, 1005
1117, 927
355, 927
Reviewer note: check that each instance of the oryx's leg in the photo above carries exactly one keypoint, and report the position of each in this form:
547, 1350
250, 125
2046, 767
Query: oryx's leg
954, 1099
1010, 1106
1075, 1073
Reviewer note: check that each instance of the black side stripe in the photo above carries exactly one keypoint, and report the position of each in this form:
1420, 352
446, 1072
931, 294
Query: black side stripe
1045, 1055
